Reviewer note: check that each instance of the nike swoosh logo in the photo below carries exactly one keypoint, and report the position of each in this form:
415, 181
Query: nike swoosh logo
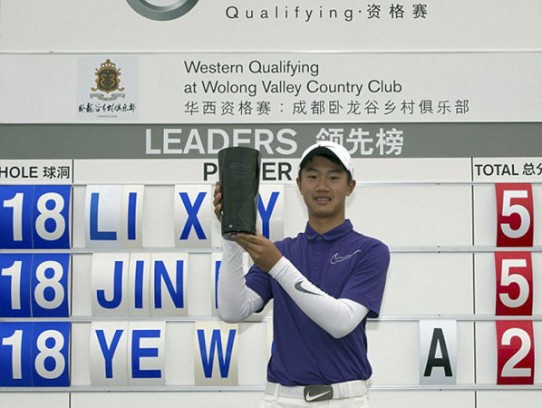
310, 397
336, 258
302, 289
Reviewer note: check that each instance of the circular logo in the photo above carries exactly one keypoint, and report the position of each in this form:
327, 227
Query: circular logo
162, 10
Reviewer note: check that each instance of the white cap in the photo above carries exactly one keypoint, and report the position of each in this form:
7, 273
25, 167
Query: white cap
327, 147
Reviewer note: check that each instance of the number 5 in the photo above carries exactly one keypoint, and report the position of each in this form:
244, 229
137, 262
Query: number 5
514, 215
514, 289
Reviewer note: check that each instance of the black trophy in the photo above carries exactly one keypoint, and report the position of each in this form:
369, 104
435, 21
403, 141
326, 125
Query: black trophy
239, 174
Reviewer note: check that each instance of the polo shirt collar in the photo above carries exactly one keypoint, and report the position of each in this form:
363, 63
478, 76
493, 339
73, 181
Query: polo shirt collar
333, 234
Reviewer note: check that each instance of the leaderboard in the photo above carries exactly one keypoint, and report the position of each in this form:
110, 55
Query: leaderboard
135, 290
128, 282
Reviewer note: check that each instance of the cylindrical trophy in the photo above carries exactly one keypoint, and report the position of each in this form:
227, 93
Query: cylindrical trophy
239, 174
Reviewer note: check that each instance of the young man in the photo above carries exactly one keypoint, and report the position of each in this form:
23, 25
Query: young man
324, 283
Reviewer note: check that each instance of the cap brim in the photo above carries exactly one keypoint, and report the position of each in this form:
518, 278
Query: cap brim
317, 151
320, 151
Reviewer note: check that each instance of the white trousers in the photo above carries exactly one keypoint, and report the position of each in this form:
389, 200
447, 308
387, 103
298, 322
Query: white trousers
271, 401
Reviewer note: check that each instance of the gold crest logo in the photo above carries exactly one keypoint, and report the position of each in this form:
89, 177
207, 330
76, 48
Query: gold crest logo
108, 82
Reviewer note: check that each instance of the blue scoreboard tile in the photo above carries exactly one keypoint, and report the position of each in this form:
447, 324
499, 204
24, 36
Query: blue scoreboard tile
35, 217
15, 285
16, 354
16, 216
50, 354
50, 285
51, 217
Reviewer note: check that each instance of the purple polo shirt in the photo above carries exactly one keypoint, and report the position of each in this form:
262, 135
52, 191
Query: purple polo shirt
344, 264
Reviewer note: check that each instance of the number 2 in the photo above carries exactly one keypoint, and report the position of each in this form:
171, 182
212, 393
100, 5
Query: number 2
515, 352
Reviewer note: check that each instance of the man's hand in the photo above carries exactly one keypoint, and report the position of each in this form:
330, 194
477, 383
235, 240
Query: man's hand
217, 201
262, 251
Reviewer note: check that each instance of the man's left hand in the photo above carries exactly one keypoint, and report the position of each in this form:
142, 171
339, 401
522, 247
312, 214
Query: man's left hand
263, 252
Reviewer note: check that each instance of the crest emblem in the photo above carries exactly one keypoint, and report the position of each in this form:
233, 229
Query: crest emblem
108, 82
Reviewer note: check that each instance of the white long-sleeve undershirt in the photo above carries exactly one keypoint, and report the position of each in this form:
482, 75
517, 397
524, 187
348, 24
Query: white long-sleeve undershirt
237, 301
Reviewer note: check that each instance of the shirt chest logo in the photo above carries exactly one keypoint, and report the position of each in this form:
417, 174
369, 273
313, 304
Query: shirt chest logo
336, 258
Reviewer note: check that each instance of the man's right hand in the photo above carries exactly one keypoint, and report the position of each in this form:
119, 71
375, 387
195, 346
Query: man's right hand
217, 201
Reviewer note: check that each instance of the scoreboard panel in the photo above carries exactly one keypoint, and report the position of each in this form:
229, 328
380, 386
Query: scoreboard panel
125, 277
